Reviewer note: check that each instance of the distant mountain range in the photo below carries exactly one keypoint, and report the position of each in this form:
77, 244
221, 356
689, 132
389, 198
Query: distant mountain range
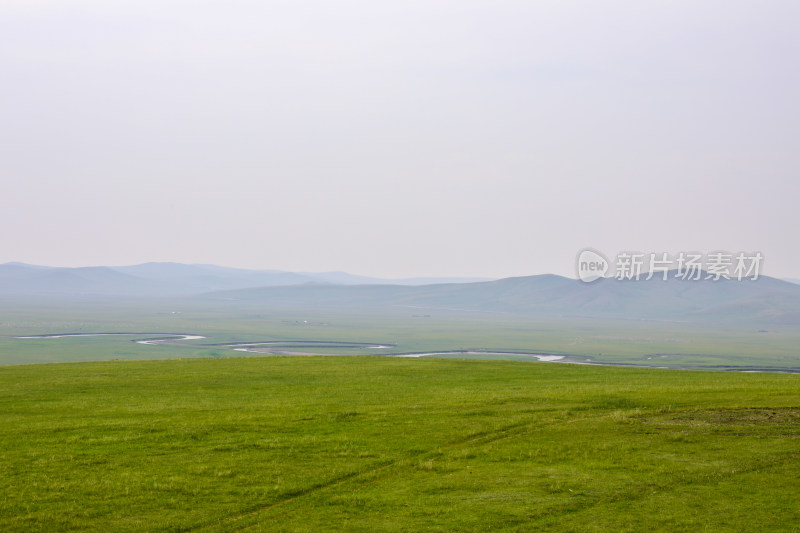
766, 300
170, 279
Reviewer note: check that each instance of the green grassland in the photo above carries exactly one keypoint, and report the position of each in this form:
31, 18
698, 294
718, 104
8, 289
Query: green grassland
388, 444
208, 439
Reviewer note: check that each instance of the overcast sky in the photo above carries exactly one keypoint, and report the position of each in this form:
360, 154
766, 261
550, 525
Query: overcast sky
408, 138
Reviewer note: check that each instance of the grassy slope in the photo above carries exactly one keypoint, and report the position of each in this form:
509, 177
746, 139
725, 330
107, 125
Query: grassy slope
365, 444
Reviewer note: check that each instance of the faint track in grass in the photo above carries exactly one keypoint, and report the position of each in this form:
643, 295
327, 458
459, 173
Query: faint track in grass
387, 469
641, 492
378, 471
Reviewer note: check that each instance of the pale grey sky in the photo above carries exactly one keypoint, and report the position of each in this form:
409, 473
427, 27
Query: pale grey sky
477, 138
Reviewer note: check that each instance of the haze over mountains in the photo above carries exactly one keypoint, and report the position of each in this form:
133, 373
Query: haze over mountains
765, 301
170, 279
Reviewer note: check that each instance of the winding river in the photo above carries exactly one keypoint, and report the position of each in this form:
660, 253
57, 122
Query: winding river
290, 347
283, 347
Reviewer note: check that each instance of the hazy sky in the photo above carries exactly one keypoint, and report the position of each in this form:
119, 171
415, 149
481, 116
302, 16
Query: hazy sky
406, 138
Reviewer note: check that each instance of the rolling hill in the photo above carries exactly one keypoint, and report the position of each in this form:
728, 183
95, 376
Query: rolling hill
167, 279
766, 300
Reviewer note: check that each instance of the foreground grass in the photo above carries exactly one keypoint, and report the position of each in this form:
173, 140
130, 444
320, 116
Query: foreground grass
366, 444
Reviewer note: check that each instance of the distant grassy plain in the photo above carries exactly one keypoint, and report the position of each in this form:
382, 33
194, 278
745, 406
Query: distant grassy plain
646, 343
